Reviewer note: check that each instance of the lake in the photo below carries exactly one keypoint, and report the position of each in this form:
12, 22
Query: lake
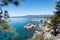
19, 23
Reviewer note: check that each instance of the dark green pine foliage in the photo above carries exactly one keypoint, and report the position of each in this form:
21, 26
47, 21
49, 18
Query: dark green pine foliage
55, 21
4, 16
6, 2
58, 8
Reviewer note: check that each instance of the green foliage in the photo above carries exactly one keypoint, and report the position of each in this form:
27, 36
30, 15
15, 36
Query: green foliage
55, 20
58, 4
6, 2
3, 22
4, 16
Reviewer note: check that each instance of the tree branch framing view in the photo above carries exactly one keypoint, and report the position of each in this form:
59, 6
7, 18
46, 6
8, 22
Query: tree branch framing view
38, 22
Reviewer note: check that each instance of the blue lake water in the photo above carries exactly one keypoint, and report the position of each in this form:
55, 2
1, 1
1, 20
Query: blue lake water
19, 23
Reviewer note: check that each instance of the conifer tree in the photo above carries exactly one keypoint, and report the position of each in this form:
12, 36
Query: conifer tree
55, 21
4, 16
4, 13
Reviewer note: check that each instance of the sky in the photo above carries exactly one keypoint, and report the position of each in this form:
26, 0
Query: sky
32, 7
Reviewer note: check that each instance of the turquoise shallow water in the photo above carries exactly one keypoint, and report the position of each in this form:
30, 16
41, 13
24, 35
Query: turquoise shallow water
18, 24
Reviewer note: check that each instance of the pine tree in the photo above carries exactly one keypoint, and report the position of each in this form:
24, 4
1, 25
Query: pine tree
55, 21
4, 16
4, 13
58, 9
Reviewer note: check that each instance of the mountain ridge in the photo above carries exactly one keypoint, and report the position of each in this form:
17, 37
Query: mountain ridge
32, 16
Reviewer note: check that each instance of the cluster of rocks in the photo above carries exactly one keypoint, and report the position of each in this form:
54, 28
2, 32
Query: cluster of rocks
42, 29
29, 26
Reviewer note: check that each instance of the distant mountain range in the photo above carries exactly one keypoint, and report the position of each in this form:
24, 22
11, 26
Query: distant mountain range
32, 16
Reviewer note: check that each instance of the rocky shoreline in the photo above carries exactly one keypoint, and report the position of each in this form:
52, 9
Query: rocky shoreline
42, 29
